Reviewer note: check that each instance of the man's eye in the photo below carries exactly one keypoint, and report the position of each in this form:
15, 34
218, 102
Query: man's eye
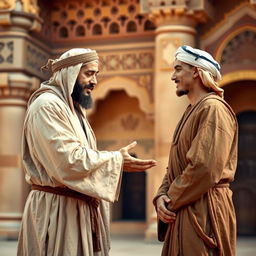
88, 73
91, 73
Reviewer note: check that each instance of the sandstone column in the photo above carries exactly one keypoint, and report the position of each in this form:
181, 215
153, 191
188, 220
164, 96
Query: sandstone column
20, 59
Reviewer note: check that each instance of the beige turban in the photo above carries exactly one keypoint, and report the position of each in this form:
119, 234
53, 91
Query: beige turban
71, 58
208, 68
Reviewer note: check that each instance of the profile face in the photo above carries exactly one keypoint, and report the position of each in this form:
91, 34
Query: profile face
183, 77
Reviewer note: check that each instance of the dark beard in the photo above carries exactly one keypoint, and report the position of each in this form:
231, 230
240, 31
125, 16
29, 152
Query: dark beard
78, 96
180, 93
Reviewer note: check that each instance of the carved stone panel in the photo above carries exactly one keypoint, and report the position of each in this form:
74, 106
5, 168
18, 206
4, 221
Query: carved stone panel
6, 52
35, 58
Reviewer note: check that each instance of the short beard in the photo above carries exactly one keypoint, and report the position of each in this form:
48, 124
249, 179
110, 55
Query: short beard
180, 93
78, 96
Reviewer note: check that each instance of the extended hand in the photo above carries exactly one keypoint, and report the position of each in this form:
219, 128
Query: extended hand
163, 213
132, 164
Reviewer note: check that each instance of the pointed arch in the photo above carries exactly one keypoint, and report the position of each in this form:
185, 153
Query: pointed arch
130, 86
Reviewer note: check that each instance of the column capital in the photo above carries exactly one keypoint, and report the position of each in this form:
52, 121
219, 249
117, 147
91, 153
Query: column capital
21, 15
16, 88
179, 12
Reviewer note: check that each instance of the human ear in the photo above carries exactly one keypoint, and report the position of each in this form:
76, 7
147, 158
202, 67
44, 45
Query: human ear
195, 73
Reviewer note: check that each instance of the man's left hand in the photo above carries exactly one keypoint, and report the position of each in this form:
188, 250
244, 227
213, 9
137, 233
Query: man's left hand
132, 164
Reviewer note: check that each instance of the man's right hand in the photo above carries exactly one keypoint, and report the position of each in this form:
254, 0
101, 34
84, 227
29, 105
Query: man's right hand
163, 213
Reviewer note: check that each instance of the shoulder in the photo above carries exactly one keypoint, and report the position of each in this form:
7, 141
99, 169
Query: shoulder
47, 103
216, 112
215, 104
47, 100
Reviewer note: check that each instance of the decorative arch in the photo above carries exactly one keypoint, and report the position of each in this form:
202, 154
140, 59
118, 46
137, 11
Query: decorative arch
63, 32
245, 72
237, 76
235, 33
97, 30
113, 28
222, 46
80, 31
130, 86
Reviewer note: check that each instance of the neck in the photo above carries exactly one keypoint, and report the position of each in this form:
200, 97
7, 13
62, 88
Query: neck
198, 92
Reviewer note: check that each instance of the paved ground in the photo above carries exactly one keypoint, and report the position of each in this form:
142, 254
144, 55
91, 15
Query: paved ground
136, 246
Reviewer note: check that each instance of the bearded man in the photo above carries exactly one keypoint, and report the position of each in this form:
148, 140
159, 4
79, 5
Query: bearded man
67, 210
194, 204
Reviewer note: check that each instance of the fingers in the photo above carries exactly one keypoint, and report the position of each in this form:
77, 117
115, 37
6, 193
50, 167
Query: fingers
137, 168
166, 199
131, 145
138, 165
164, 214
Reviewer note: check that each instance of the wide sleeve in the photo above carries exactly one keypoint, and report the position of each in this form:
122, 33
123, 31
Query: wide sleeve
163, 189
58, 152
207, 159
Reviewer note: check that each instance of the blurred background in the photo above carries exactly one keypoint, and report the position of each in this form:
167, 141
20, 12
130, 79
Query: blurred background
135, 98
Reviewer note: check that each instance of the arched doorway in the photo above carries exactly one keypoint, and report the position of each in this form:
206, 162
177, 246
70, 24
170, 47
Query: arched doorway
241, 97
244, 185
117, 121
132, 203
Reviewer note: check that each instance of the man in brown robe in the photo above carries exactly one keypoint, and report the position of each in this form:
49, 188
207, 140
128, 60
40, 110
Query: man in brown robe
194, 205
67, 211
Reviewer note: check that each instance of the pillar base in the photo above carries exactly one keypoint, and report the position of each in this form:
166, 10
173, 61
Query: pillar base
10, 225
151, 232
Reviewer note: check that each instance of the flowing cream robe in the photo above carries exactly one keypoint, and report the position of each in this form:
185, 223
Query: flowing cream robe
203, 154
56, 152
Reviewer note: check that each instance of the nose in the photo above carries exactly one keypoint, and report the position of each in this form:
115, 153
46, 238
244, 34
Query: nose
173, 76
94, 79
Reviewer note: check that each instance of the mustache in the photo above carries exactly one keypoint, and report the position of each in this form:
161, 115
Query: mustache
89, 86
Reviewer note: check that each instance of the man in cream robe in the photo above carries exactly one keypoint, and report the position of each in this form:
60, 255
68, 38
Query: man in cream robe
67, 211
194, 204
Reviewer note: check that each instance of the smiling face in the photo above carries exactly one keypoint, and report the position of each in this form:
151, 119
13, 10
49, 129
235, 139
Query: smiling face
85, 83
183, 76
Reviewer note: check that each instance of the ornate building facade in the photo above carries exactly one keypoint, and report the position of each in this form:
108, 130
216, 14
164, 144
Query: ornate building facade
135, 98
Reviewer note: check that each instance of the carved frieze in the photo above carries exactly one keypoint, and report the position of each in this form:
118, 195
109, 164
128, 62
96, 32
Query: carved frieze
15, 92
127, 61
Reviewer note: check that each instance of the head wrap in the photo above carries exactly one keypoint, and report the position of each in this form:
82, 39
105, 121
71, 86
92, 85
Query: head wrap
70, 58
208, 68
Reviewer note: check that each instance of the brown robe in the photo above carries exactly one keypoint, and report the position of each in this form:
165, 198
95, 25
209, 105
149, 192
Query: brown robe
203, 154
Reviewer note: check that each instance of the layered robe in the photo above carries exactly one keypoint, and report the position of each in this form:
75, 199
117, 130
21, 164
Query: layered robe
57, 152
202, 163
